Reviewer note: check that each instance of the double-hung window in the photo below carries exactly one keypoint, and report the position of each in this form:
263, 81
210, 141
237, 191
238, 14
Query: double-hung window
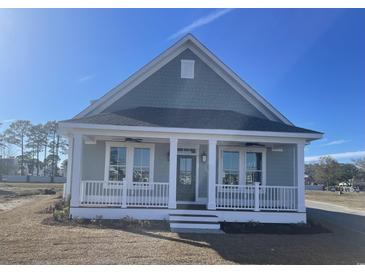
117, 163
141, 165
253, 167
230, 165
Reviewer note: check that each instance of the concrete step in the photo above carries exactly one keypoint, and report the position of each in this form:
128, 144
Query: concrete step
214, 226
190, 223
193, 218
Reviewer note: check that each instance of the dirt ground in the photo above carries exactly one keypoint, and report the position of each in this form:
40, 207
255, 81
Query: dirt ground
16, 194
350, 200
27, 236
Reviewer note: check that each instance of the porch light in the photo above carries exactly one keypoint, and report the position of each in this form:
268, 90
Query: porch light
204, 157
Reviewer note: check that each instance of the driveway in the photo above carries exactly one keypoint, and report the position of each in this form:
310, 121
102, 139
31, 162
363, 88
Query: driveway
334, 215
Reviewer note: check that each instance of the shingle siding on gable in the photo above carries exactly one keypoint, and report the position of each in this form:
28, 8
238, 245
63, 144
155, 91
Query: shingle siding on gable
165, 88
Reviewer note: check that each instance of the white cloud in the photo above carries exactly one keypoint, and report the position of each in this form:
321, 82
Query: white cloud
338, 156
200, 22
86, 78
336, 142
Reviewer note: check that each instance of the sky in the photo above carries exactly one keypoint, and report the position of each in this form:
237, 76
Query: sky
308, 63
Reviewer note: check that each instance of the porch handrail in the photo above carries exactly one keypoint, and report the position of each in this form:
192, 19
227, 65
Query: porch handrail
123, 194
257, 197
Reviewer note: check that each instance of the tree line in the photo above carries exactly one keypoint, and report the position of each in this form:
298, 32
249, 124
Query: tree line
330, 172
40, 147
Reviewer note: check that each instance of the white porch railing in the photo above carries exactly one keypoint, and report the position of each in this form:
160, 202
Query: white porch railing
256, 197
122, 194
156, 195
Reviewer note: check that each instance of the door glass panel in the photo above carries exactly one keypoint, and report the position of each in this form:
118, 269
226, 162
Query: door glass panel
231, 167
186, 171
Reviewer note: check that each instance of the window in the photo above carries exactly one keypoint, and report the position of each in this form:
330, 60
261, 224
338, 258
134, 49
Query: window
231, 167
253, 167
129, 162
141, 165
187, 69
117, 163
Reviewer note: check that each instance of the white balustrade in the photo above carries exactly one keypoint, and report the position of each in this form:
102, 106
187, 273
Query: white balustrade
255, 197
122, 194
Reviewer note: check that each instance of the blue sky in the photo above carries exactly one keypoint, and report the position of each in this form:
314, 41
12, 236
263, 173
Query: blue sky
310, 64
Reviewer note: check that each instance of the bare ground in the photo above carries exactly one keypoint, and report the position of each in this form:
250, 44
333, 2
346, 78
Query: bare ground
28, 237
351, 200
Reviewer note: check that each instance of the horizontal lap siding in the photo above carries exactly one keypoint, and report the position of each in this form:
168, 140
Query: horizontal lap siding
93, 161
161, 170
165, 88
280, 166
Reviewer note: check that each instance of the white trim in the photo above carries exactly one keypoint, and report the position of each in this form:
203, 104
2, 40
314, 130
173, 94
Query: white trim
76, 169
172, 172
212, 173
63, 126
163, 214
187, 42
300, 174
130, 147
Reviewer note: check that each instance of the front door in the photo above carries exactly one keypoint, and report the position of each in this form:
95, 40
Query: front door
186, 178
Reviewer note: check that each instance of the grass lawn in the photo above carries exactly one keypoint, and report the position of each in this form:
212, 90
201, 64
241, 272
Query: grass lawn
351, 200
28, 235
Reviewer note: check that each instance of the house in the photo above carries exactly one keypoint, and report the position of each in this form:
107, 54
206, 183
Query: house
185, 139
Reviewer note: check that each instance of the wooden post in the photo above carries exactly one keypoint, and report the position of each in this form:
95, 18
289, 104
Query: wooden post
257, 196
76, 170
124, 194
212, 171
300, 178
67, 186
172, 173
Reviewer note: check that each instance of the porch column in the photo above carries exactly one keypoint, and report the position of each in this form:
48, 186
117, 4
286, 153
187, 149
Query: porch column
212, 171
300, 177
76, 170
67, 186
172, 172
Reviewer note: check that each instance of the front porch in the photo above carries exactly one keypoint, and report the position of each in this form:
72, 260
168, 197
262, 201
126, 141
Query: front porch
150, 176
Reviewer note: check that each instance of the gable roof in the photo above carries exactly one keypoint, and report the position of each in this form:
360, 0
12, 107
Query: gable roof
187, 118
187, 42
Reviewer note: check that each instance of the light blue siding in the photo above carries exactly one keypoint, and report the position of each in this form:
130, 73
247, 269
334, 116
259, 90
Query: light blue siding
280, 166
165, 88
93, 161
161, 169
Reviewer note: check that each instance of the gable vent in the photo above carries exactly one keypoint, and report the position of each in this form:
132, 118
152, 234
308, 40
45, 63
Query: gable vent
187, 69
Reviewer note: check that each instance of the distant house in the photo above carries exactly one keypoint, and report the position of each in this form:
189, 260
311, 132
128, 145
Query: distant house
8, 166
185, 139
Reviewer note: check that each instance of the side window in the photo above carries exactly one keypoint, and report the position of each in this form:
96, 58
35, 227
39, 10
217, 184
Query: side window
253, 167
117, 163
141, 165
231, 172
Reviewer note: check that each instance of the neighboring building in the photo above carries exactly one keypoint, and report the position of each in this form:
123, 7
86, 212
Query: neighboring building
185, 139
8, 166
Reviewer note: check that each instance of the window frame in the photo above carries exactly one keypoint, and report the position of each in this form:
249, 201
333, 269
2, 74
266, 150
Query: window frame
130, 147
242, 163
187, 69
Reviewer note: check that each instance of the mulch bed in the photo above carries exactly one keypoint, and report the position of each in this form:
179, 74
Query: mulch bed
310, 227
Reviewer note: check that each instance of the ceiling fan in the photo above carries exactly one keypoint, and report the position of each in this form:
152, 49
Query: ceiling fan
136, 140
